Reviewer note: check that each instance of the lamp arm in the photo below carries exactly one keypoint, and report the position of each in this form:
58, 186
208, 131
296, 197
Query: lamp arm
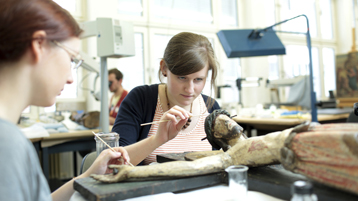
258, 34
284, 21
312, 92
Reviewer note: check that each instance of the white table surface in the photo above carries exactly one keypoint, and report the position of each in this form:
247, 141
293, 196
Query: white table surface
214, 193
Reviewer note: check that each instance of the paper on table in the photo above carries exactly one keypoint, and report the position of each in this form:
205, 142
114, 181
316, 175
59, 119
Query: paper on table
70, 124
35, 131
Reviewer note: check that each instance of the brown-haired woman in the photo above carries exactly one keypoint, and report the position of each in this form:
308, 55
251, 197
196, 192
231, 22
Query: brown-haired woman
187, 60
38, 43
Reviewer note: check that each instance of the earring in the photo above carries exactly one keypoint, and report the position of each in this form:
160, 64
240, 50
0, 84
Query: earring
164, 75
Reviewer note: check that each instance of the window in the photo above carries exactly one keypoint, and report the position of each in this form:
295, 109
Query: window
273, 68
292, 8
207, 88
232, 71
270, 12
72, 6
329, 71
228, 12
130, 7
161, 41
159, 20
184, 11
133, 67
50, 109
320, 18
69, 5
27, 110
296, 63
70, 91
231, 67
326, 19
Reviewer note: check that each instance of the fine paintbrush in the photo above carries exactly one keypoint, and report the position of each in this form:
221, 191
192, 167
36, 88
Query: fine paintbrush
157, 122
109, 146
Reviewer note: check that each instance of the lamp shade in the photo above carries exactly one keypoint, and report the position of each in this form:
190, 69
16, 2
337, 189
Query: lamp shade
236, 43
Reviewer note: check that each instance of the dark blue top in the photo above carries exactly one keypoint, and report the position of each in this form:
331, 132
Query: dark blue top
138, 107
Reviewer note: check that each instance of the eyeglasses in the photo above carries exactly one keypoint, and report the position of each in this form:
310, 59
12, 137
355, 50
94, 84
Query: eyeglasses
76, 59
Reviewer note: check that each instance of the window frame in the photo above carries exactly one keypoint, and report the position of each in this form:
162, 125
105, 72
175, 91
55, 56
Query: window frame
317, 42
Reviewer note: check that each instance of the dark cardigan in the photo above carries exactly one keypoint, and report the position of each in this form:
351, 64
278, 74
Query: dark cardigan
139, 107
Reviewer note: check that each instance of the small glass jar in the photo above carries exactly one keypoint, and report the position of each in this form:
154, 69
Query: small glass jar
238, 181
112, 139
302, 191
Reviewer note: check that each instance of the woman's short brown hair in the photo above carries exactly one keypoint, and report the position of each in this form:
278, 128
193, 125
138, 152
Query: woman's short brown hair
187, 53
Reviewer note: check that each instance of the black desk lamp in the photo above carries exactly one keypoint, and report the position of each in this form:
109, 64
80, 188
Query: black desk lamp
263, 42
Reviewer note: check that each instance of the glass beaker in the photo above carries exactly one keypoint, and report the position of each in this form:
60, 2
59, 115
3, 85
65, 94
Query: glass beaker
112, 139
237, 181
302, 190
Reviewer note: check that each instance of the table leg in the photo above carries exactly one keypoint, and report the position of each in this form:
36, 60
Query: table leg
248, 130
75, 163
37, 147
45, 163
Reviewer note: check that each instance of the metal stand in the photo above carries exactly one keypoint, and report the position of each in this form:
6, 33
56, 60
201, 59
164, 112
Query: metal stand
104, 116
239, 87
256, 34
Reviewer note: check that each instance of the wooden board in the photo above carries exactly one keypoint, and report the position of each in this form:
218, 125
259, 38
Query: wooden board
190, 156
162, 158
93, 190
274, 180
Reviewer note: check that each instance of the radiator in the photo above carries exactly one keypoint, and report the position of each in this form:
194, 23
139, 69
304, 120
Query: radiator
61, 166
